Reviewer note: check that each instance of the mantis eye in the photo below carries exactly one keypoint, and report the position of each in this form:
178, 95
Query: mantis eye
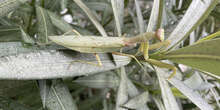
160, 34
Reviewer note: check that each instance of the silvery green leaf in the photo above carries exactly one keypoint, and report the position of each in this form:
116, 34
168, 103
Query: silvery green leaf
44, 86
122, 94
45, 27
7, 6
197, 12
63, 4
156, 16
98, 6
101, 80
118, 10
91, 16
59, 97
169, 100
159, 103
197, 83
95, 5
60, 23
133, 91
14, 48
192, 95
138, 101
26, 38
54, 64
141, 23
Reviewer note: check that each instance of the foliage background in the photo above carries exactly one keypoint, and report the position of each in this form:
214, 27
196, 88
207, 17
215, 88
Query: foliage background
35, 63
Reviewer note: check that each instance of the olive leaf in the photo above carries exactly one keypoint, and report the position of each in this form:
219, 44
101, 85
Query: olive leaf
45, 26
59, 97
204, 56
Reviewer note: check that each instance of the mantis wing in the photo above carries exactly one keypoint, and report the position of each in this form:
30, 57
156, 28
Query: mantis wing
89, 44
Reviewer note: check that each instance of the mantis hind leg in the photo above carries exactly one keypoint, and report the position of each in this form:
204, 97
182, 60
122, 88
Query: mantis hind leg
163, 65
98, 59
74, 31
88, 62
96, 55
132, 56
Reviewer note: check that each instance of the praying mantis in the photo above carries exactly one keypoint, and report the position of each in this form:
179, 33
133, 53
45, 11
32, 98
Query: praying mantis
95, 44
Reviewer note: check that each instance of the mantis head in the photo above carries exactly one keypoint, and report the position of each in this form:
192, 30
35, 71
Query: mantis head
160, 34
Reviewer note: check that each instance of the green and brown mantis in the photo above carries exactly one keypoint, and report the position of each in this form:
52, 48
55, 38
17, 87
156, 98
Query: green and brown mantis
95, 44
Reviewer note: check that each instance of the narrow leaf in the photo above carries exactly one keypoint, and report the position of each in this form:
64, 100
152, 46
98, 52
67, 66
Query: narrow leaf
196, 82
98, 6
169, 100
44, 87
101, 80
118, 9
59, 97
63, 4
14, 48
141, 23
63, 26
192, 95
133, 91
156, 16
122, 94
91, 17
45, 27
25, 37
60, 23
197, 12
159, 103
203, 56
138, 101
209, 37
54, 64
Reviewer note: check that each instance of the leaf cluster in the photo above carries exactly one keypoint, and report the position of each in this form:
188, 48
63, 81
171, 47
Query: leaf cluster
36, 75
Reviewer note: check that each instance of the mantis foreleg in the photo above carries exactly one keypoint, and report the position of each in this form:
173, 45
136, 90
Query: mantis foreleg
132, 56
163, 65
83, 61
146, 47
159, 45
